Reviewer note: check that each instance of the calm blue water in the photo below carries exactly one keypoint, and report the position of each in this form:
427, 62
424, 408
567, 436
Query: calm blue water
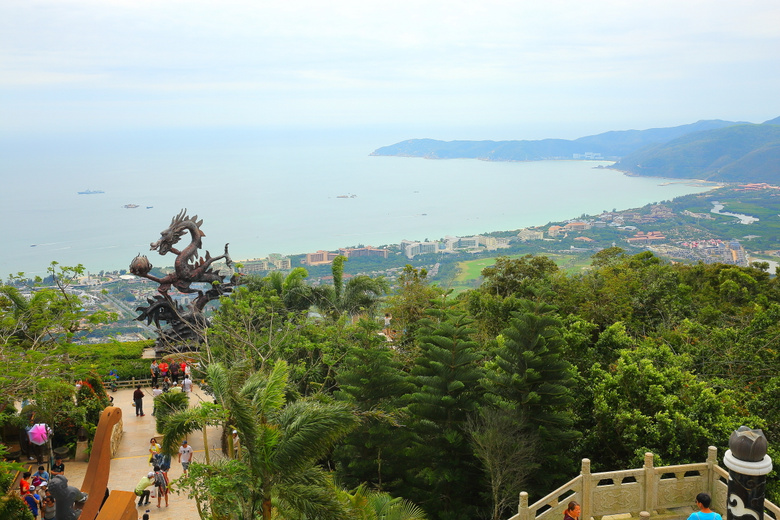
267, 196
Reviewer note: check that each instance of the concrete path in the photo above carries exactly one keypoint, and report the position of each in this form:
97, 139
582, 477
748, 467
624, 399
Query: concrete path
131, 462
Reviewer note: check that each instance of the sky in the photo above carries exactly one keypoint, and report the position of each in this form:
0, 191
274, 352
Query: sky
516, 69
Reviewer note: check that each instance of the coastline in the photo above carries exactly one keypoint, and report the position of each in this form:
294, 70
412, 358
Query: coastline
458, 198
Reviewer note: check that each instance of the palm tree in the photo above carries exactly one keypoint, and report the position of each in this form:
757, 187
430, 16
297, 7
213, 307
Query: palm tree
365, 504
296, 295
281, 443
360, 294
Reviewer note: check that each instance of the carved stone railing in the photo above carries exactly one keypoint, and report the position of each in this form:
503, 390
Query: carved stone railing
658, 491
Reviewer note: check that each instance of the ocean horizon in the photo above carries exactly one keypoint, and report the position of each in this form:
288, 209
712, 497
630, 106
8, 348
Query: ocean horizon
277, 196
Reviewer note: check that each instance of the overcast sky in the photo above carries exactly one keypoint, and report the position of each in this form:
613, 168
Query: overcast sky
481, 69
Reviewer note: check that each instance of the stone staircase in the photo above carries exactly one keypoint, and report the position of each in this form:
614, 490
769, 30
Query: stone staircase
660, 493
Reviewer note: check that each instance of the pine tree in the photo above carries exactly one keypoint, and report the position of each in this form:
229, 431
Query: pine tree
371, 378
443, 468
533, 382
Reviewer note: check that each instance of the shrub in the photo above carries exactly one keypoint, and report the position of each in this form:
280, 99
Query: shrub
12, 506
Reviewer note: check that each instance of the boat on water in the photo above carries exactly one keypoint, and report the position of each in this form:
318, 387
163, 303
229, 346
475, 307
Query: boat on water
90, 192
131, 206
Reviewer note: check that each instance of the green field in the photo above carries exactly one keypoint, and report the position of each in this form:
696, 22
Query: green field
470, 271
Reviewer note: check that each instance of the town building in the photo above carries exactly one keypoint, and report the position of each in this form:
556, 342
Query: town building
320, 258
356, 252
554, 231
646, 238
576, 226
531, 234
412, 249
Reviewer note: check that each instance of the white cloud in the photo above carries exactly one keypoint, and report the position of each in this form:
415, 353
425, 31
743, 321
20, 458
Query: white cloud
370, 62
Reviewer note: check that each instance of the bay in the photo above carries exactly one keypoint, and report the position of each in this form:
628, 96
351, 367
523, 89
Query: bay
279, 196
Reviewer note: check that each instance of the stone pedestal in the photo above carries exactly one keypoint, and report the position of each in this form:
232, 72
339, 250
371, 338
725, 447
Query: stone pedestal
748, 466
81, 451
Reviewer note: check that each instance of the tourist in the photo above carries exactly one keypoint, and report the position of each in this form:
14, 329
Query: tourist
164, 369
572, 511
185, 456
33, 501
140, 489
165, 463
174, 370
185, 370
166, 384
138, 398
161, 483
113, 377
154, 368
236, 445
154, 451
24, 484
58, 468
186, 385
156, 392
40, 476
175, 389
703, 501
48, 508
388, 319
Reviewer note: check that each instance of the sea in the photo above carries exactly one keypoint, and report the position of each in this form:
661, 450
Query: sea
275, 195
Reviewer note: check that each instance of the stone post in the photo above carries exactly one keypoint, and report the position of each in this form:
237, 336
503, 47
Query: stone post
748, 466
586, 511
522, 507
648, 497
712, 461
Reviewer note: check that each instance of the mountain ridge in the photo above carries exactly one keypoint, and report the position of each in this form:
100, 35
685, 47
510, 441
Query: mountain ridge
740, 153
610, 145
713, 150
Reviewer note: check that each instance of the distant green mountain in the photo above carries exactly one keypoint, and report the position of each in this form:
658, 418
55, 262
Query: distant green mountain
609, 145
741, 153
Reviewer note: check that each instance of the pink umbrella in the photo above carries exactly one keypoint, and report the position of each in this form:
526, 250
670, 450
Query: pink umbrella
38, 434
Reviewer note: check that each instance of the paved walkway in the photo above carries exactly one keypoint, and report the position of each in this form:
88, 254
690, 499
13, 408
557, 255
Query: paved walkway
132, 459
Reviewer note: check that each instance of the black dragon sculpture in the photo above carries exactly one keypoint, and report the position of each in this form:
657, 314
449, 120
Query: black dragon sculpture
185, 326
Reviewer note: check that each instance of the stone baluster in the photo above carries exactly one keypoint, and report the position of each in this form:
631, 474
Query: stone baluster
748, 466
522, 507
586, 510
648, 498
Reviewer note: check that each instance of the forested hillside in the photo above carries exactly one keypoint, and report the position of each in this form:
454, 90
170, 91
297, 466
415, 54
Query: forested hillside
741, 153
478, 396
528, 374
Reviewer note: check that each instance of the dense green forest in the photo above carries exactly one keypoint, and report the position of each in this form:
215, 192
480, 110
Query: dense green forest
739, 153
465, 400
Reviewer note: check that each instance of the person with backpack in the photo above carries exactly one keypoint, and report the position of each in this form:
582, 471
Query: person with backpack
161, 483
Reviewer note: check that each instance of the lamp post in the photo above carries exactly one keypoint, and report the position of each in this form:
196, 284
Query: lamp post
748, 466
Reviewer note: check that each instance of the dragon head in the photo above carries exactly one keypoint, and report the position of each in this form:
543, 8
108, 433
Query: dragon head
180, 224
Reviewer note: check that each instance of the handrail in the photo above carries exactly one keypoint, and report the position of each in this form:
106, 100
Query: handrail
636, 490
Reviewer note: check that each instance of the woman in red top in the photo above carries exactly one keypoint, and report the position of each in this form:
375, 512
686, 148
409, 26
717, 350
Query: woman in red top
572, 512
